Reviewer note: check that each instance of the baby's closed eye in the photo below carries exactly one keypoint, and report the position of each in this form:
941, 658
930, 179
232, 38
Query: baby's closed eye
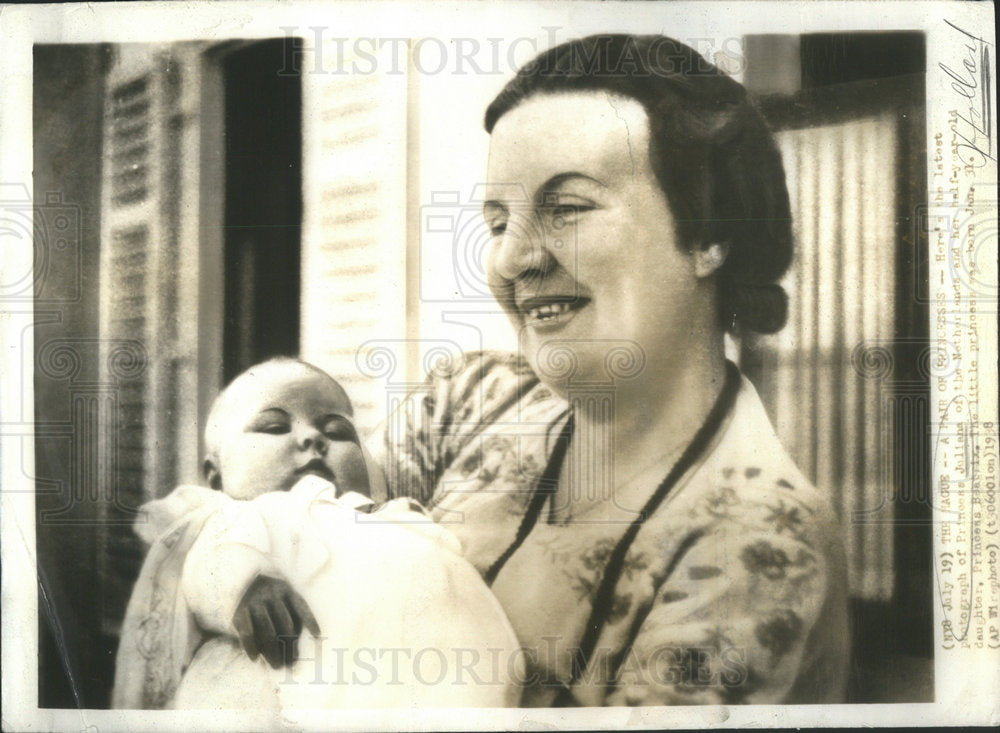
339, 428
275, 422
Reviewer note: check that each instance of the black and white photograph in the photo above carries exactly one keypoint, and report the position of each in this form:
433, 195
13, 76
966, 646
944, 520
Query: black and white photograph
418, 365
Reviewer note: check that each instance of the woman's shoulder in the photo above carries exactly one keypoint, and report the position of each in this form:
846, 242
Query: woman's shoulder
464, 396
479, 366
477, 383
754, 444
750, 478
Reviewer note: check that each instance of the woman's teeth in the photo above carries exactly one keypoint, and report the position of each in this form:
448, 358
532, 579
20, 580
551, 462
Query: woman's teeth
544, 312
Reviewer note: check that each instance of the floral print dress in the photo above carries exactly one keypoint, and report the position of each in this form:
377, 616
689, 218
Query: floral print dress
733, 591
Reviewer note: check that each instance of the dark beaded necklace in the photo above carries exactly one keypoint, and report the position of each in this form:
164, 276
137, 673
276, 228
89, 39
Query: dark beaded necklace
609, 580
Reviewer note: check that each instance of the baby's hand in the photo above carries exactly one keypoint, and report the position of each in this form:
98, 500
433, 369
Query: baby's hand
269, 620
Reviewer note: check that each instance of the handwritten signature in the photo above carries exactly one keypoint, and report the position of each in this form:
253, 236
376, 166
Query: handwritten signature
972, 82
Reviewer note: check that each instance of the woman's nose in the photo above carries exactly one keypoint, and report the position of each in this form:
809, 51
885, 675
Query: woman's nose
519, 249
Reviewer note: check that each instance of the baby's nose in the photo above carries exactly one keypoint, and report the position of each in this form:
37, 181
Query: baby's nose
313, 439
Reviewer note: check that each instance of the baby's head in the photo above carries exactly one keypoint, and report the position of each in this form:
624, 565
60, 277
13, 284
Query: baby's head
276, 422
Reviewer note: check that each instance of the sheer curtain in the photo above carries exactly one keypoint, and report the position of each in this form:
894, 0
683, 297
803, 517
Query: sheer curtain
822, 378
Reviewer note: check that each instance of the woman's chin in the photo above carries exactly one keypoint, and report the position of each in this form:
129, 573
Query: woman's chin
562, 361
566, 366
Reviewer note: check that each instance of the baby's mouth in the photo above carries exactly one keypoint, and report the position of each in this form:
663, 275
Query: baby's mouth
316, 467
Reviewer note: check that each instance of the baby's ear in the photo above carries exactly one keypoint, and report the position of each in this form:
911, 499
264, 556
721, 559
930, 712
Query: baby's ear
212, 474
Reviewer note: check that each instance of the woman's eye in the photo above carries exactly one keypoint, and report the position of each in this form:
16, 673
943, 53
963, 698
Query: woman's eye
273, 428
497, 228
563, 213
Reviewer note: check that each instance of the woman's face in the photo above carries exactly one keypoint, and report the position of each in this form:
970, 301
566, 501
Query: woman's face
584, 256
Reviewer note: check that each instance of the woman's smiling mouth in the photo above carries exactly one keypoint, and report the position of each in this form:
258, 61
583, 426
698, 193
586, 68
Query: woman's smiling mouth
550, 312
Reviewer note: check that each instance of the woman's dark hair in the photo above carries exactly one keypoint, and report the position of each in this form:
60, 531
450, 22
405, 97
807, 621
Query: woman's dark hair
710, 149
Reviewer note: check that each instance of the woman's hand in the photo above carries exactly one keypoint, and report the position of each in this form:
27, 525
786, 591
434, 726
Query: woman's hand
269, 620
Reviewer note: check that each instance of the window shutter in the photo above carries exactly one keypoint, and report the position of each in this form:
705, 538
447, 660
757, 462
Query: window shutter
149, 296
128, 229
354, 228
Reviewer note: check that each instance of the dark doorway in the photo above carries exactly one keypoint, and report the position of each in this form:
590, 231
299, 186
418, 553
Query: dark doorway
263, 215
75, 657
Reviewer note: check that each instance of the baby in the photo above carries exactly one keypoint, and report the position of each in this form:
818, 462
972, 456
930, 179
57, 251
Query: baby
389, 612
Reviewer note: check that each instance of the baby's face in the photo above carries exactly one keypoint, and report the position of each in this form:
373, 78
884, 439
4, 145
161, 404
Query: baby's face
285, 422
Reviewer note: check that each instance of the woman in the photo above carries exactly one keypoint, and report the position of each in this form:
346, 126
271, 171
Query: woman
620, 487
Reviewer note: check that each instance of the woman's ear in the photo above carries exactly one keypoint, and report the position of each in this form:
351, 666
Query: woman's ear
710, 258
212, 474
